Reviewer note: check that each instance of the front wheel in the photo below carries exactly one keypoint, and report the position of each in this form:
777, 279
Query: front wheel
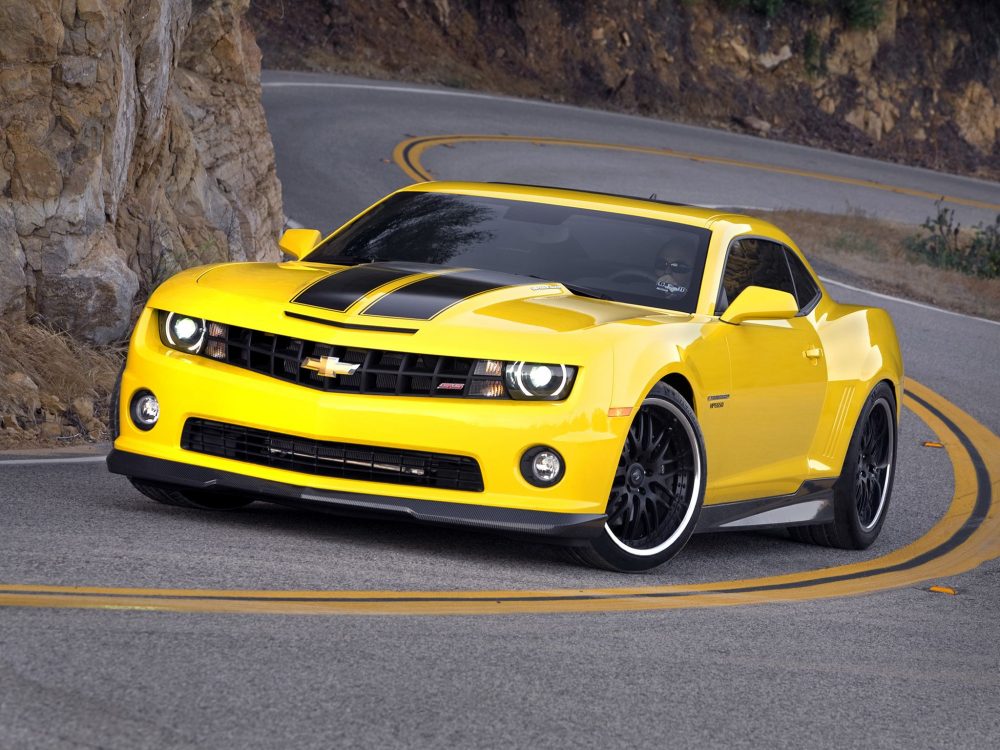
658, 488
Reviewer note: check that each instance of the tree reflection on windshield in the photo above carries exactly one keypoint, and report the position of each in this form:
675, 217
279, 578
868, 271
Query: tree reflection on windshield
602, 253
434, 228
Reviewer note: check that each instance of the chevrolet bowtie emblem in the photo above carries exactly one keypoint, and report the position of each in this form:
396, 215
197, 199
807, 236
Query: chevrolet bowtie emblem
329, 367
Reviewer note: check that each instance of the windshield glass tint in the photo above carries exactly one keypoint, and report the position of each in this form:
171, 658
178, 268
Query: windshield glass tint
624, 258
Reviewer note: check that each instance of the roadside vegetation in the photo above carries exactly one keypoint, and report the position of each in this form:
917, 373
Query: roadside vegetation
53, 389
857, 14
891, 258
945, 244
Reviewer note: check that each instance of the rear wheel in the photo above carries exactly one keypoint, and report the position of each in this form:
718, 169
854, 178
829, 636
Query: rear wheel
658, 488
191, 498
861, 493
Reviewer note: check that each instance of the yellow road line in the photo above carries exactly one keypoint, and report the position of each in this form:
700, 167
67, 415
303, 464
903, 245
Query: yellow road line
408, 156
903, 567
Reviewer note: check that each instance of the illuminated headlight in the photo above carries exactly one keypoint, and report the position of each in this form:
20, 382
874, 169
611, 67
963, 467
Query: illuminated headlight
182, 332
529, 380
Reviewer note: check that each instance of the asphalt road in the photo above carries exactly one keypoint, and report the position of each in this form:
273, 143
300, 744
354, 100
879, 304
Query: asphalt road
902, 668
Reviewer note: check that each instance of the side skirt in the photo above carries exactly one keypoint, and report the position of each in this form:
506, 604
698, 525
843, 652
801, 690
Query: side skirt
812, 503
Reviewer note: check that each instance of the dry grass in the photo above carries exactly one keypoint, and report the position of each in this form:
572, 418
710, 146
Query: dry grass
871, 253
68, 375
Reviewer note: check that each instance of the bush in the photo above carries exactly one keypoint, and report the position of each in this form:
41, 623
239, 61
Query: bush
944, 244
857, 14
861, 14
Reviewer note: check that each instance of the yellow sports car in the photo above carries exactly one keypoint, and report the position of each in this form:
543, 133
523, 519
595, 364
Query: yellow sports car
606, 372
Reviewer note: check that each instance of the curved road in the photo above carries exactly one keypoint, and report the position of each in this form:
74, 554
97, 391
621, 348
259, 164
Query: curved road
907, 666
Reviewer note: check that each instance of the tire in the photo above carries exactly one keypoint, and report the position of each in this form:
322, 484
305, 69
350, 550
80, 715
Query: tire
861, 494
658, 489
191, 498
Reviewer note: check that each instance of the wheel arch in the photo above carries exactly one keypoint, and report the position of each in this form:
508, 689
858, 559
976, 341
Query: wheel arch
680, 383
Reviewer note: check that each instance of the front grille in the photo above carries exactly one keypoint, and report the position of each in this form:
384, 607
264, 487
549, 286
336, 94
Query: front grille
379, 371
330, 459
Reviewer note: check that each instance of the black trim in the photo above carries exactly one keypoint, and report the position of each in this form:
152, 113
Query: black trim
341, 289
328, 458
349, 326
536, 523
424, 299
716, 517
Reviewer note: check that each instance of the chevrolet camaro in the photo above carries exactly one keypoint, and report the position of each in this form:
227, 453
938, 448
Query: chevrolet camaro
609, 373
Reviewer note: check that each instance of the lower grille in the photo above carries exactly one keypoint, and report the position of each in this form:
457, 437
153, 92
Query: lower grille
330, 459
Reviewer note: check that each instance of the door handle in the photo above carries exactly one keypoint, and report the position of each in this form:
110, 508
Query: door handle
813, 353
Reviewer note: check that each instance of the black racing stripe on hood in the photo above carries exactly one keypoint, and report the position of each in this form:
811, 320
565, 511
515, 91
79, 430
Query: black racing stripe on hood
424, 299
340, 290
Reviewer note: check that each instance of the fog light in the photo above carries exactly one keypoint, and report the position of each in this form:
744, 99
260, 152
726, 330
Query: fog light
145, 410
542, 466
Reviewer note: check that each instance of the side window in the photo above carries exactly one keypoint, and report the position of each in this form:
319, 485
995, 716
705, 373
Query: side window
753, 262
806, 291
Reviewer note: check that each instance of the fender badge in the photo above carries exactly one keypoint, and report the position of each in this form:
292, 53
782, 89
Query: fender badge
329, 367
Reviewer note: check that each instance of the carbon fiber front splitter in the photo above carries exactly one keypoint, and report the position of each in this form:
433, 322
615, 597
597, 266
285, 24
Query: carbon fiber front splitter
557, 526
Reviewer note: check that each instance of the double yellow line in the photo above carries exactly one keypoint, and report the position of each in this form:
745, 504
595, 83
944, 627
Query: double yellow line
967, 535
408, 155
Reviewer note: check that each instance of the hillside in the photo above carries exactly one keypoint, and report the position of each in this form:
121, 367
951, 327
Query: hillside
915, 81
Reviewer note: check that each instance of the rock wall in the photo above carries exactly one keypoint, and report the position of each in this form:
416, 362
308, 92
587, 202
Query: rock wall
922, 86
132, 143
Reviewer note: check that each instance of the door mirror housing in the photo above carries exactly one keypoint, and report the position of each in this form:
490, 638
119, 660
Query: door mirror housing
299, 242
759, 303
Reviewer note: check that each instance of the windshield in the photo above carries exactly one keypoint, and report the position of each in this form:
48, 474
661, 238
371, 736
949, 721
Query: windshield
624, 258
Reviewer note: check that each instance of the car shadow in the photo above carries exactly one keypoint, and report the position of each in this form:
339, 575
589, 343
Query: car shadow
455, 557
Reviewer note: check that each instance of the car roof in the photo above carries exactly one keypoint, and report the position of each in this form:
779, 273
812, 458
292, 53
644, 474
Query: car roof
612, 202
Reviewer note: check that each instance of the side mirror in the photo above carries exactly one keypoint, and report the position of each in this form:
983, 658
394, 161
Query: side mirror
758, 303
299, 242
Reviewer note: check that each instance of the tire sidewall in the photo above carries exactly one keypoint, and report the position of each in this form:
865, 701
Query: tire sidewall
610, 552
845, 504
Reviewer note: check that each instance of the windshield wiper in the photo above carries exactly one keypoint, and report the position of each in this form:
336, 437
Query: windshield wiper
581, 291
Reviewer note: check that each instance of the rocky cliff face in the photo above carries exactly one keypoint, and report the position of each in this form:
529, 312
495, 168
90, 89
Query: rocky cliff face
921, 86
132, 143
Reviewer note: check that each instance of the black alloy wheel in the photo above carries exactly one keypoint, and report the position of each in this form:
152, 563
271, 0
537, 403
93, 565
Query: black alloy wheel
655, 473
861, 494
657, 490
874, 465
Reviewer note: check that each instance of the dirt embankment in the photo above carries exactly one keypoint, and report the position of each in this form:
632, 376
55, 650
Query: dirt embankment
915, 81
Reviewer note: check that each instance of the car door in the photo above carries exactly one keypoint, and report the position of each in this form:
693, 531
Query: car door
778, 381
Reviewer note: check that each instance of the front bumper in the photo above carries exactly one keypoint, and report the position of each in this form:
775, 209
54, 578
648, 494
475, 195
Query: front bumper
542, 523
494, 434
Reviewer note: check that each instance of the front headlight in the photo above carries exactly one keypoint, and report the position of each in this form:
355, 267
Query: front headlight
538, 382
182, 332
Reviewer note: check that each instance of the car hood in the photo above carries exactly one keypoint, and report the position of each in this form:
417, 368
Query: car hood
415, 296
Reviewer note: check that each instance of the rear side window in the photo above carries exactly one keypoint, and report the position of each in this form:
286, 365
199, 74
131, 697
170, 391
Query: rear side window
806, 291
754, 262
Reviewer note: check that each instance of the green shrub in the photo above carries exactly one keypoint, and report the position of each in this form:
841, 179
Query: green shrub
944, 244
857, 14
814, 54
861, 14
